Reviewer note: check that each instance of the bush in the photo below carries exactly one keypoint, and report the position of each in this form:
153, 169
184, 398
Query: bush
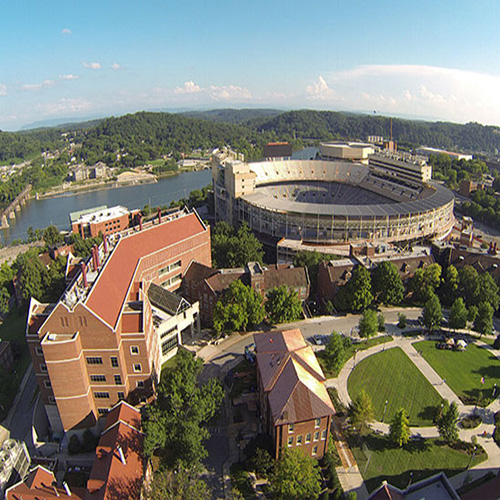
470, 422
74, 445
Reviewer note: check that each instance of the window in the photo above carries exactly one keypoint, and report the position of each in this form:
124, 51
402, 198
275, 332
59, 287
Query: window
317, 422
323, 435
101, 395
102, 411
83, 320
38, 351
43, 368
134, 350
315, 450
137, 368
308, 437
140, 384
121, 395
98, 378
290, 441
94, 360
290, 427
299, 440
316, 436
47, 384
169, 344
118, 380
114, 361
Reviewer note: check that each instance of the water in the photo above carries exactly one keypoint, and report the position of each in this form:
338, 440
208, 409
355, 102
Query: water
42, 213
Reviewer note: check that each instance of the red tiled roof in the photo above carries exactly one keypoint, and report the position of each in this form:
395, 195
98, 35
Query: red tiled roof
109, 292
111, 479
38, 485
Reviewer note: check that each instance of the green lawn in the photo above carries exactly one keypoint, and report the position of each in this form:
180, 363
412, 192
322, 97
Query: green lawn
361, 346
463, 371
424, 458
391, 376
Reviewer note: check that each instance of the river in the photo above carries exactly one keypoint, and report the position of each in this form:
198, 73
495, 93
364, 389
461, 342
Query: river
42, 213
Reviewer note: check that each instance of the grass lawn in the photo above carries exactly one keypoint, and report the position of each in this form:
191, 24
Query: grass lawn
391, 376
424, 458
463, 371
361, 346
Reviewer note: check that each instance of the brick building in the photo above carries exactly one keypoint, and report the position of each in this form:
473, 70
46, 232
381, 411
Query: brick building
107, 337
295, 405
206, 285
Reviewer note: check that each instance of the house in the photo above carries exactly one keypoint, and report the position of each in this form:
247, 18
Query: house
295, 405
109, 334
118, 469
206, 285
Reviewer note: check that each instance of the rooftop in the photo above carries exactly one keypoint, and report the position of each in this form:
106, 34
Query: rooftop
98, 215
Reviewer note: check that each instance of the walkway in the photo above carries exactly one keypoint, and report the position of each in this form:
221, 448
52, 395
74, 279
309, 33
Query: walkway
487, 414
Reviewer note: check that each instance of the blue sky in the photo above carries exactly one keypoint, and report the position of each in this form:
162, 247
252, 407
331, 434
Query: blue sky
429, 59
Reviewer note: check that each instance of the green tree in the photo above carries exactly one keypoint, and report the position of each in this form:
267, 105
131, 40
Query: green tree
335, 352
447, 423
283, 305
356, 294
487, 291
469, 285
449, 290
401, 320
180, 484
175, 423
368, 324
296, 476
425, 282
262, 462
52, 236
483, 322
311, 261
387, 285
399, 431
239, 308
361, 411
432, 312
458, 314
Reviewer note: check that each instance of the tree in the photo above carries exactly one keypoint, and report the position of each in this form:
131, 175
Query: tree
469, 285
487, 291
447, 423
296, 476
176, 485
361, 411
335, 352
399, 430
387, 285
449, 290
483, 322
310, 260
425, 281
52, 236
239, 308
283, 305
262, 462
458, 314
356, 294
432, 313
368, 324
175, 422
401, 320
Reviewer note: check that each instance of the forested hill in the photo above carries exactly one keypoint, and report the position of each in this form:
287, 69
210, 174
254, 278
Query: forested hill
325, 125
133, 140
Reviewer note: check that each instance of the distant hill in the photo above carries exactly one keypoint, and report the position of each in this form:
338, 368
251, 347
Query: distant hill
236, 116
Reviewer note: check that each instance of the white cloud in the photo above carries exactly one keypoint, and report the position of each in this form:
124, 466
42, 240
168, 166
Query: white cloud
30, 87
65, 31
92, 65
188, 88
69, 77
64, 105
3, 89
115, 66
319, 90
229, 93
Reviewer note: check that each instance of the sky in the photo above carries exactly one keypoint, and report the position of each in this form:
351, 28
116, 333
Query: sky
437, 60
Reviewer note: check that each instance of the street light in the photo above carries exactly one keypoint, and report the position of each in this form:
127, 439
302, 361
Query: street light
494, 389
472, 456
385, 409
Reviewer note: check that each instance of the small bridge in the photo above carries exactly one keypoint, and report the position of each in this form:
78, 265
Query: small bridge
15, 206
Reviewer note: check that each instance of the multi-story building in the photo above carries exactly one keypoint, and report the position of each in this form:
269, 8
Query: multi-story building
117, 322
89, 223
295, 406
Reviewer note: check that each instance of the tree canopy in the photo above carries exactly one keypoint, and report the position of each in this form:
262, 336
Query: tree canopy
387, 286
458, 314
283, 305
356, 294
399, 431
447, 423
368, 324
361, 411
432, 312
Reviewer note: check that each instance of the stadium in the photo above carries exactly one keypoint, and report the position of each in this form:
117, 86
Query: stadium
331, 203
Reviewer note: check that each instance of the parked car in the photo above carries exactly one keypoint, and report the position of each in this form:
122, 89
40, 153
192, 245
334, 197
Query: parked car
318, 339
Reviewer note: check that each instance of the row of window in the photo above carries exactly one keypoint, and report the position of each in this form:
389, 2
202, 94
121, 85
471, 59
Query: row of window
308, 438
169, 268
317, 423
102, 378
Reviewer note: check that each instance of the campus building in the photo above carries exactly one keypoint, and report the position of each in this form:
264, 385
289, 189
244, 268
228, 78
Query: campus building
118, 320
294, 403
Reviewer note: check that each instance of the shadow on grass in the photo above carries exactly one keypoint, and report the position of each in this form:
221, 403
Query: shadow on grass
429, 413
